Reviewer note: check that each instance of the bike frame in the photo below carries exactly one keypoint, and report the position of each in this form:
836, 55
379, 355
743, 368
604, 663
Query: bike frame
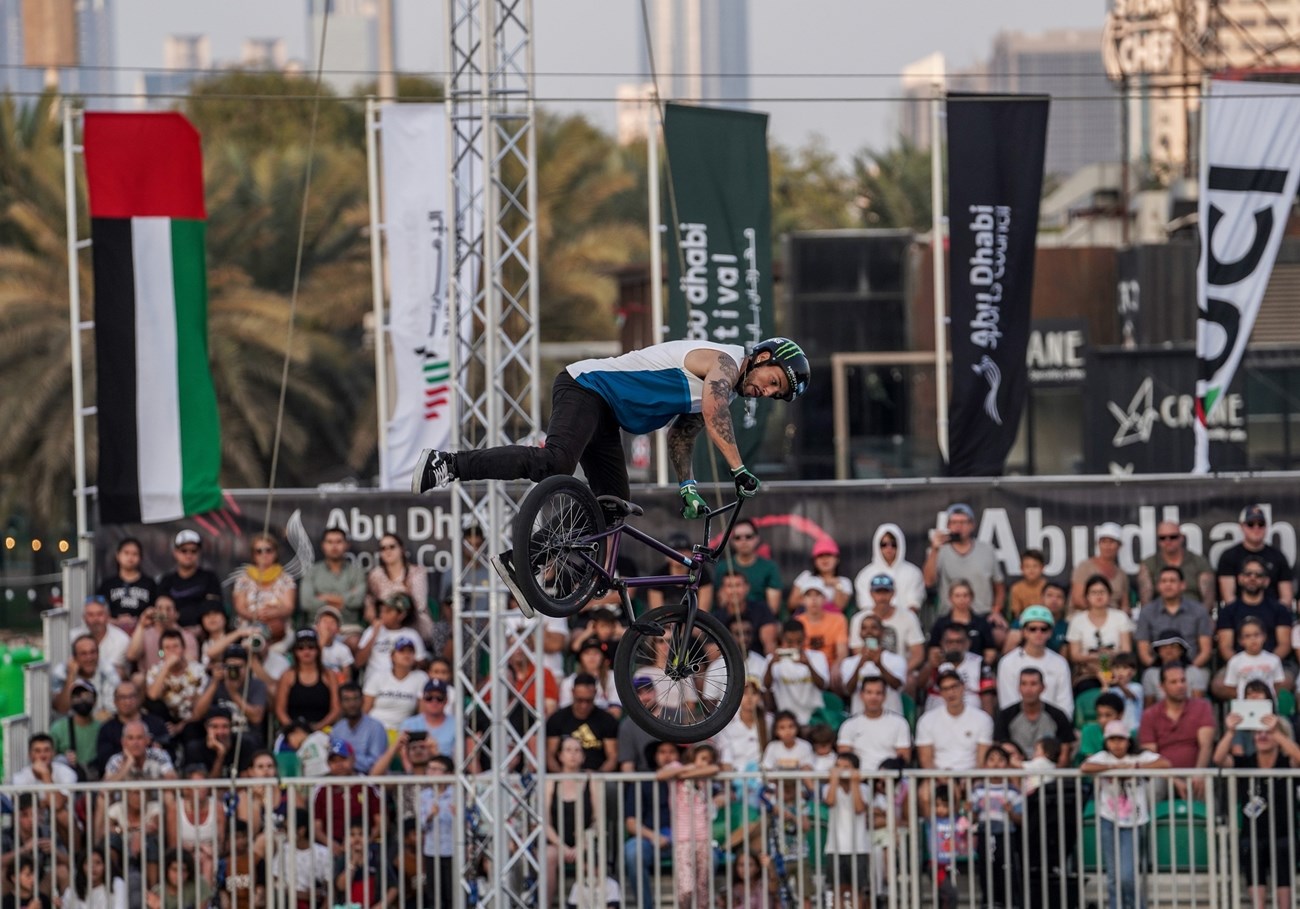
701, 554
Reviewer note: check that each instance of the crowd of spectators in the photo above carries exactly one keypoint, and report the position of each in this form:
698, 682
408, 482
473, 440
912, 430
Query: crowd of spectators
941, 663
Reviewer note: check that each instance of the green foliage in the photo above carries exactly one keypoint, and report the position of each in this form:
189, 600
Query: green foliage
810, 191
893, 187
255, 110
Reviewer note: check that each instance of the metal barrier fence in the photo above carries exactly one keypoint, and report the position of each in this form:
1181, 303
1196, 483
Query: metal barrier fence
920, 838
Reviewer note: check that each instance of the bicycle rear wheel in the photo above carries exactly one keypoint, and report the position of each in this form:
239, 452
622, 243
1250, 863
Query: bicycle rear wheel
690, 687
555, 519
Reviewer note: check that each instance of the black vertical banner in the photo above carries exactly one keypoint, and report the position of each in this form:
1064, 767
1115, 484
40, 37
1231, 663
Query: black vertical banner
995, 176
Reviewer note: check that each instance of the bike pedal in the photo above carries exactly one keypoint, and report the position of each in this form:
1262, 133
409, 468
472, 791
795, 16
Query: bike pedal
648, 629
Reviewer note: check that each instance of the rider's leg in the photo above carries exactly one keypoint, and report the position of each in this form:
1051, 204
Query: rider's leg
603, 460
576, 412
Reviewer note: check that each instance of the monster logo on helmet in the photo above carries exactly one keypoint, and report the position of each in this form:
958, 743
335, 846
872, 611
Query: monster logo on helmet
790, 357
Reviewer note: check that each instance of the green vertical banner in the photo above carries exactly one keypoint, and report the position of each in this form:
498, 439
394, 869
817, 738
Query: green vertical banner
720, 252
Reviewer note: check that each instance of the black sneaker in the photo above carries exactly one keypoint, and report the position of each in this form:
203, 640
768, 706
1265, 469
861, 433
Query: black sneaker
504, 565
434, 469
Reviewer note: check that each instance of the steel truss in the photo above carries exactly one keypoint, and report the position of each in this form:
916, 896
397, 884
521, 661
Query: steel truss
494, 300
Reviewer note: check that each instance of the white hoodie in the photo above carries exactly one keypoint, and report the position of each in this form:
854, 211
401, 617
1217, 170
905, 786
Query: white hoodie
909, 584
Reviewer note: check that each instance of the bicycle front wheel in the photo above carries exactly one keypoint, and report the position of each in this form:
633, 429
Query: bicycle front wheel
679, 688
553, 532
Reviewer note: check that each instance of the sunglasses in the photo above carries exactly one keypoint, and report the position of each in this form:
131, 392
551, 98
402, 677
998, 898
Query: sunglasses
262, 550
954, 686
743, 536
188, 550
390, 546
304, 645
1253, 574
888, 544
435, 697
1037, 629
1252, 524
1169, 537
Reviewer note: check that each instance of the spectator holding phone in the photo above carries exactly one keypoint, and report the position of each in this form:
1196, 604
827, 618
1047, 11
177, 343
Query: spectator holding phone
955, 554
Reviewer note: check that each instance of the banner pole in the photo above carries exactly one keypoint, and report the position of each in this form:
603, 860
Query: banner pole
937, 261
656, 270
1200, 429
79, 413
377, 295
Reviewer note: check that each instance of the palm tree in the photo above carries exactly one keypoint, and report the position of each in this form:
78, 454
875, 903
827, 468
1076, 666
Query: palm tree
36, 452
893, 187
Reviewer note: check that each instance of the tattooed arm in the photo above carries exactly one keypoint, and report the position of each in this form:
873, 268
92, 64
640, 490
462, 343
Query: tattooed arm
720, 374
681, 443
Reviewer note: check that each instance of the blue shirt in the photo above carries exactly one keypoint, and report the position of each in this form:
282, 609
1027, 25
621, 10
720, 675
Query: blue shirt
444, 736
368, 739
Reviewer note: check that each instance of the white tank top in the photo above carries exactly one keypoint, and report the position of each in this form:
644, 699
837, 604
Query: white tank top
647, 388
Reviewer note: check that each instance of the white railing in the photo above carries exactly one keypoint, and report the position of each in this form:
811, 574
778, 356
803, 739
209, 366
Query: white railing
76, 587
56, 627
926, 838
37, 695
14, 732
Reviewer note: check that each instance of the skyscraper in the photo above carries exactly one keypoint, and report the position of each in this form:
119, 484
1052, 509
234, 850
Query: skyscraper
352, 44
1066, 64
701, 50
95, 78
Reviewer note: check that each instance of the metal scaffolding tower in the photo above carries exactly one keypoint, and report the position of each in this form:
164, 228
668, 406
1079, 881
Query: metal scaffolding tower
494, 303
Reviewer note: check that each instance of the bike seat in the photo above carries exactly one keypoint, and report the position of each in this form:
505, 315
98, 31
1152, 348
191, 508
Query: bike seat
620, 507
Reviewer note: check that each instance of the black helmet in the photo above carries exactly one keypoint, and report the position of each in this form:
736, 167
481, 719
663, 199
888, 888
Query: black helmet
790, 357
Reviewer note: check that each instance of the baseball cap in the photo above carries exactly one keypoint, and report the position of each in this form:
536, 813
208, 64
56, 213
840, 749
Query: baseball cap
1109, 530
603, 615
592, 643
1116, 729
679, 541
399, 601
1253, 513
306, 636
188, 537
1037, 614
235, 652
435, 686
948, 670
755, 681
330, 610
882, 582
83, 685
825, 546
961, 508
341, 749
818, 585
218, 713
405, 642
642, 682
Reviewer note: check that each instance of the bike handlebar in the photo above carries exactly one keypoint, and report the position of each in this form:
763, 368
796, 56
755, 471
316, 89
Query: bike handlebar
709, 515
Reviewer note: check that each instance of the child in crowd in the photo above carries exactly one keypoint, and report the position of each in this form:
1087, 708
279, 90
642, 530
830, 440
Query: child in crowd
747, 888
1047, 752
312, 749
847, 800
948, 836
1170, 648
1123, 681
1251, 662
1028, 591
313, 864
438, 811
1122, 811
1092, 739
822, 738
995, 810
692, 801
787, 751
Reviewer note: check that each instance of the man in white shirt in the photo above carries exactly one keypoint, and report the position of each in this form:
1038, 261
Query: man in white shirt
957, 736
112, 641
1036, 624
42, 766
795, 677
875, 735
874, 659
900, 628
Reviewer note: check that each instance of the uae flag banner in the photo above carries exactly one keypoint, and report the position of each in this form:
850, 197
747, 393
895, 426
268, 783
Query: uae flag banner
159, 442
996, 146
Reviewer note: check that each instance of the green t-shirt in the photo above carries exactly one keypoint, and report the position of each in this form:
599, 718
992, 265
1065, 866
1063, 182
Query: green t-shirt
763, 575
61, 731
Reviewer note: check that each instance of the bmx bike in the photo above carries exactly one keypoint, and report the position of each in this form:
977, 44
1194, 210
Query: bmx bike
678, 670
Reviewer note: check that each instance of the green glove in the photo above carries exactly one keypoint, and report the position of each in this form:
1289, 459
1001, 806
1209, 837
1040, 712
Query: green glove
746, 483
693, 504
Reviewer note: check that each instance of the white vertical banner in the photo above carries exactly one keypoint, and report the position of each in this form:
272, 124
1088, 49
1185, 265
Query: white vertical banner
1249, 174
413, 152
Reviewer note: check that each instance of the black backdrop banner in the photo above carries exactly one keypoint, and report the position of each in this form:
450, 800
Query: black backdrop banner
1014, 514
995, 176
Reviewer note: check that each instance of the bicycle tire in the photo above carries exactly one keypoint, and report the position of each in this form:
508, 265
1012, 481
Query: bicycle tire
556, 512
633, 659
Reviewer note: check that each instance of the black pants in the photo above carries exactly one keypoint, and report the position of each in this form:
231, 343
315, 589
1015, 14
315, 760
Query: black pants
583, 430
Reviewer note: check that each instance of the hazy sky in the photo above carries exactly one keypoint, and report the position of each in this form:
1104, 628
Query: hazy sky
859, 46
